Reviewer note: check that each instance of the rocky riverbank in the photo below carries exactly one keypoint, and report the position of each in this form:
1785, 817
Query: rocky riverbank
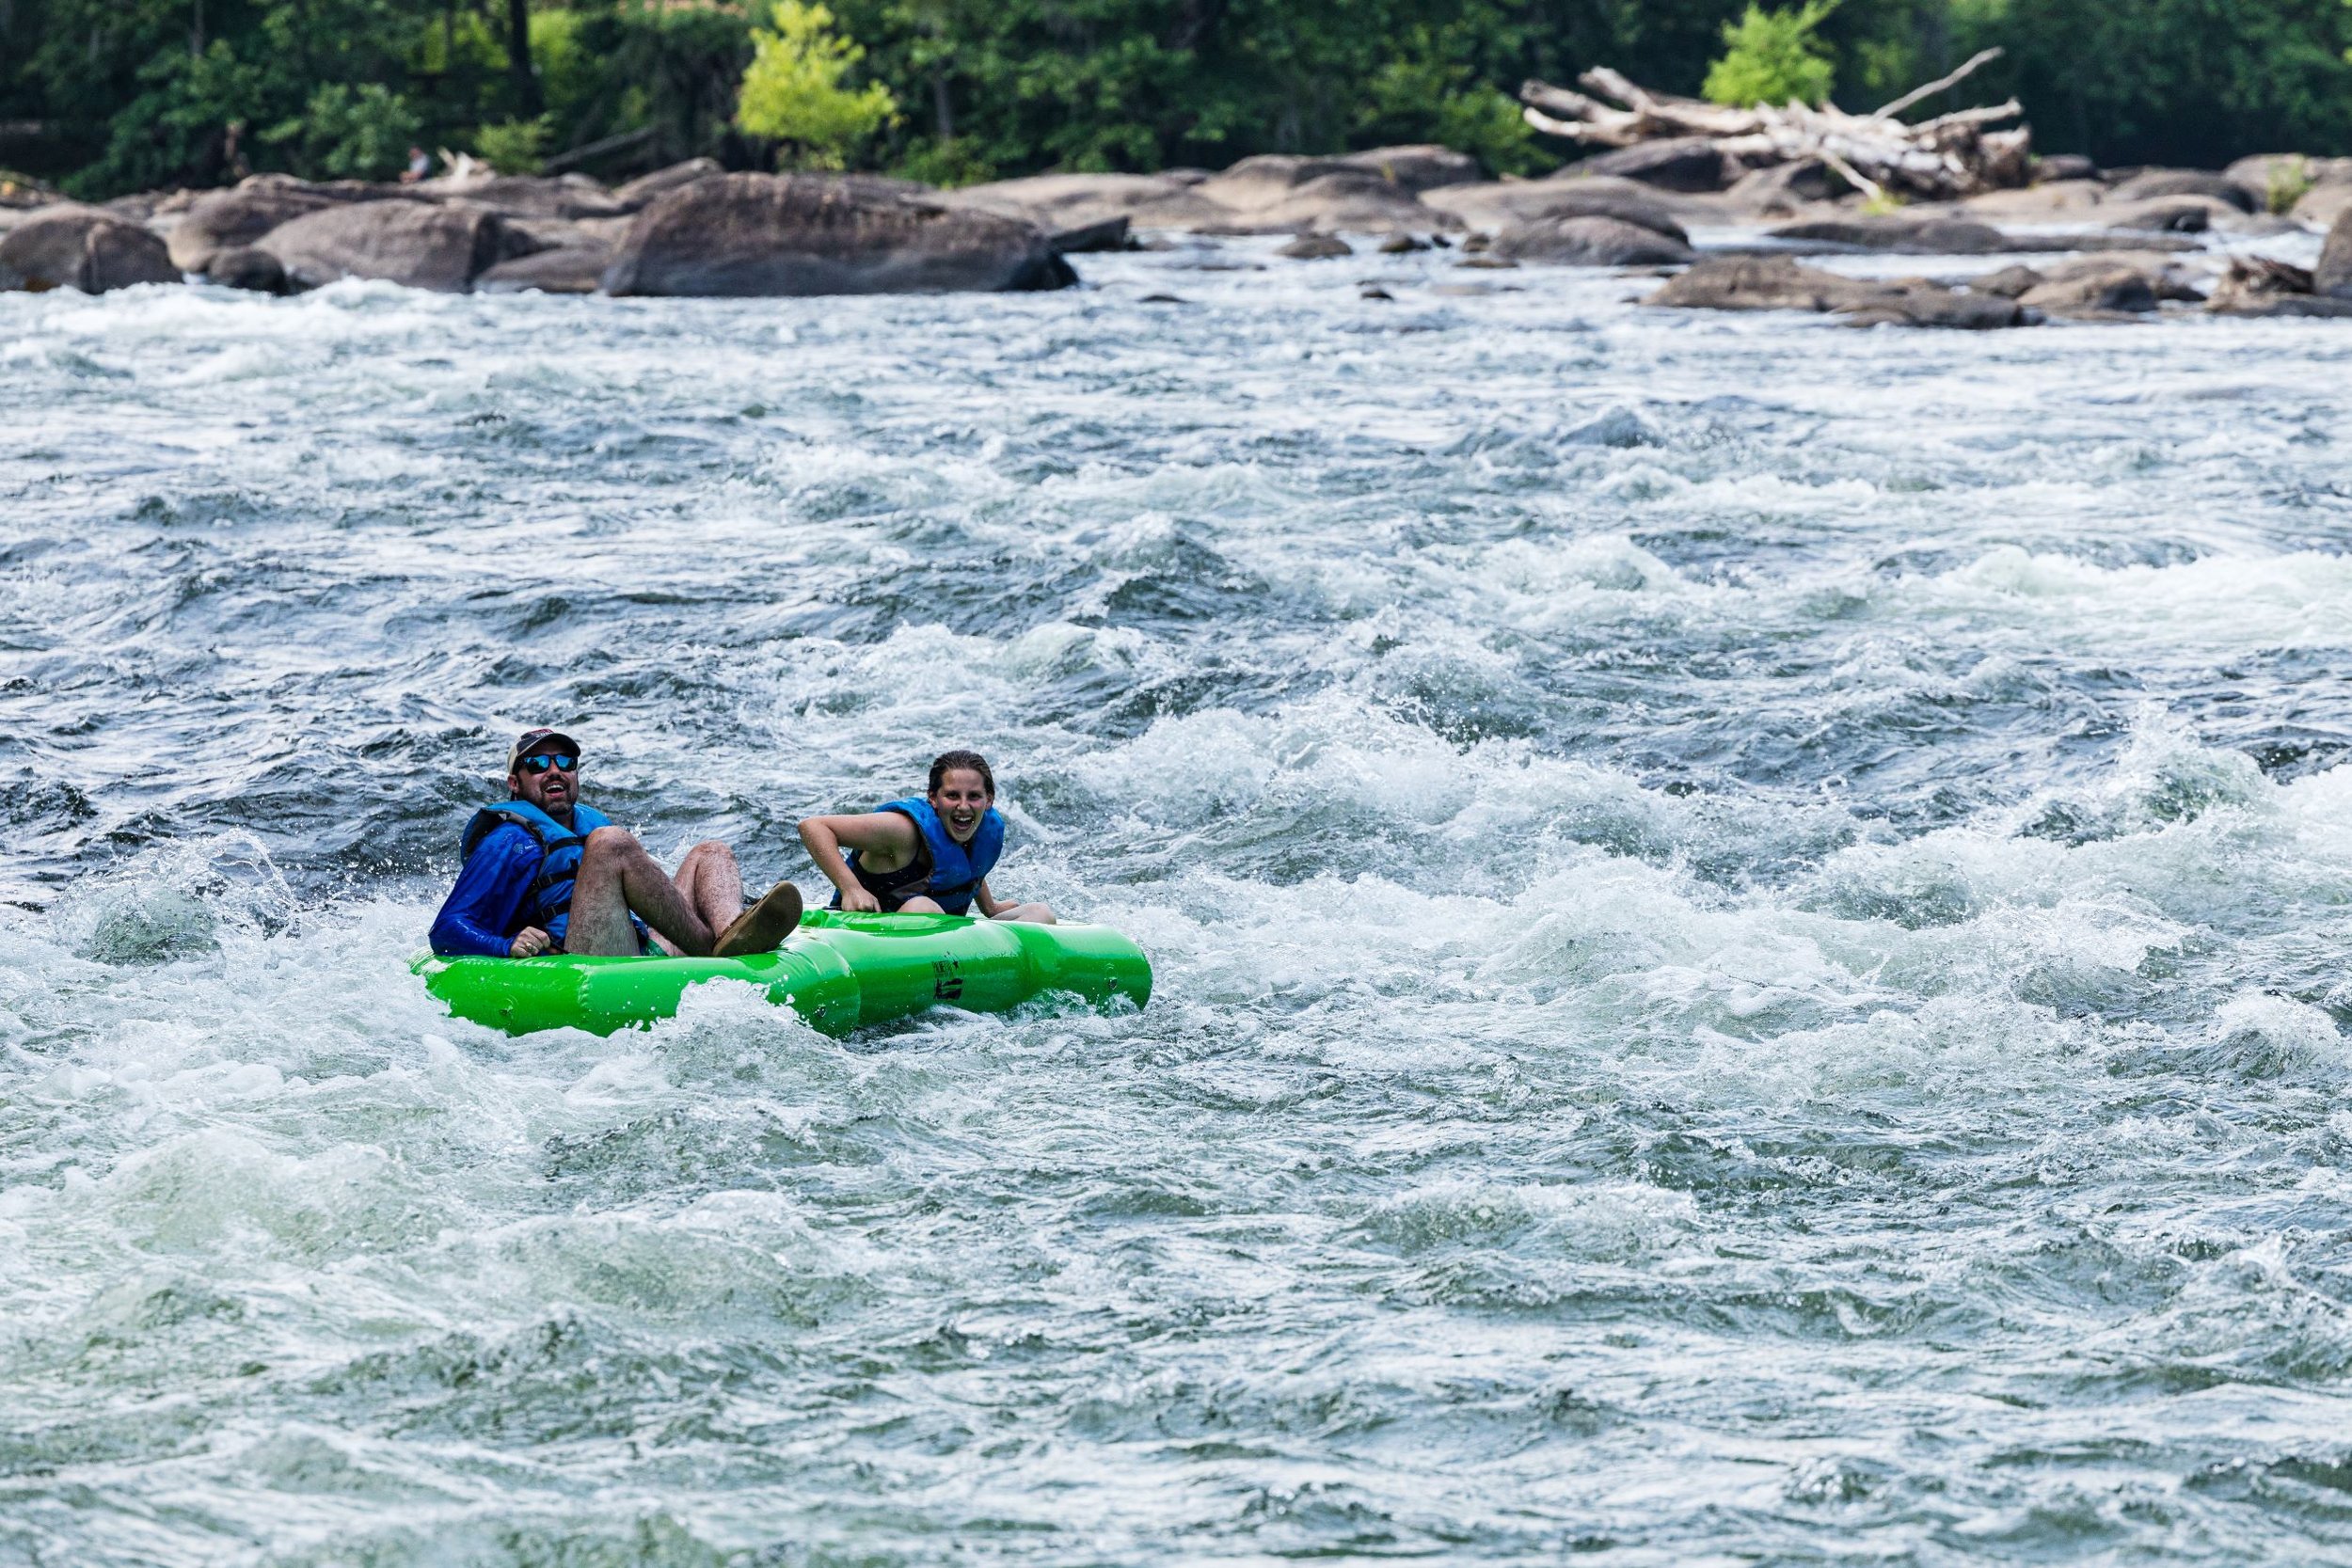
2075, 243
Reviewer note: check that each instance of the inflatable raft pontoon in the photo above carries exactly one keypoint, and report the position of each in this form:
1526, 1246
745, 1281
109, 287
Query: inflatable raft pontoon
838, 971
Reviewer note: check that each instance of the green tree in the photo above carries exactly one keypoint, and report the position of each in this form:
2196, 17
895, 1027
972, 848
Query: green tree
1775, 58
792, 90
348, 132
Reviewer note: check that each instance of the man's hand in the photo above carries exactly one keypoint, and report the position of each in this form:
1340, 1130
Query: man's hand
529, 943
858, 899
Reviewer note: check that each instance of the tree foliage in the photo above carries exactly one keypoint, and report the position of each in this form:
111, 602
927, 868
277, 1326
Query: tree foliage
793, 91
1773, 58
131, 93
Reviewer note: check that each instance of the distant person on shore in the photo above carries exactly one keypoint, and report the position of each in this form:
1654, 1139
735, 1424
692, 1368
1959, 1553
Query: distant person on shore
544, 873
927, 855
419, 165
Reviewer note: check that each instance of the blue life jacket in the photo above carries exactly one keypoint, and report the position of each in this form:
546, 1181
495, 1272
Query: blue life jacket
548, 903
943, 871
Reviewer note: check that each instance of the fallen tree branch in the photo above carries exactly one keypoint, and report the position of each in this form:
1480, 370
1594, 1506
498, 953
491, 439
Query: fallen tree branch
1920, 94
1949, 156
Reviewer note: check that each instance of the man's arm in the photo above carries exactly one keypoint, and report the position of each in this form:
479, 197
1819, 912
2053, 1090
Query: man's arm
489, 890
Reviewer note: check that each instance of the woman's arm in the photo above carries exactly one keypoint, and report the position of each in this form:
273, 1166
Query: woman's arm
885, 839
987, 900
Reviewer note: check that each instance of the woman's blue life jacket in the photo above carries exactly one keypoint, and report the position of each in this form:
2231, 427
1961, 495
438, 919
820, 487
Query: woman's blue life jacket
943, 871
548, 903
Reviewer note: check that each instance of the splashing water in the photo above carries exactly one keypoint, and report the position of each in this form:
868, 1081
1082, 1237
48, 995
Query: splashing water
1749, 921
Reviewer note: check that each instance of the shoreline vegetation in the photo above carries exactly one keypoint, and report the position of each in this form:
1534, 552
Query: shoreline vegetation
1763, 169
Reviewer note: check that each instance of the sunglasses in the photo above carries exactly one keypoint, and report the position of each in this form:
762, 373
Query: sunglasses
539, 761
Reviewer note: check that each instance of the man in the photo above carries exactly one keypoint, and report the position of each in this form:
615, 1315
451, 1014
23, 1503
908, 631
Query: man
544, 873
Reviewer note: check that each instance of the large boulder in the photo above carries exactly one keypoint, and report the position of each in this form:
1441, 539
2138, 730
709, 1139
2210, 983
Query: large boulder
2168, 215
2103, 287
1672, 162
232, 220
2037, 203
572, 269
568, 195
637, 192
1777, 283
1503, 203
1420, 168
1906, 236
1276, 194
1784, 189
1076, 204
72, 247
753, 234
2156, 184
244, 267
440, 246
1589, 241
2332, 277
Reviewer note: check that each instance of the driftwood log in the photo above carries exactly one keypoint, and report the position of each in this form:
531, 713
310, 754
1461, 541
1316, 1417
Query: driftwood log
1952, 155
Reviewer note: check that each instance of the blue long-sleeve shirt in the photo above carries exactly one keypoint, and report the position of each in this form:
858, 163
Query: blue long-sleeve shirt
483, 912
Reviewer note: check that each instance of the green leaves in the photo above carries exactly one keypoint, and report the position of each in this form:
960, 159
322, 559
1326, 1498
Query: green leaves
1775, 57
793, 92
350, 132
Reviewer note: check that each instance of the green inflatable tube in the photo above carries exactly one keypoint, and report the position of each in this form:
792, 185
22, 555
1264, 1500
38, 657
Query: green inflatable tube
838, 971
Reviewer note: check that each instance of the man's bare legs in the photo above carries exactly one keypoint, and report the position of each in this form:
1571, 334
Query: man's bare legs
617, 876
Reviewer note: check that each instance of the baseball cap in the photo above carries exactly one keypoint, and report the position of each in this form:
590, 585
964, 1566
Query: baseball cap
540, 740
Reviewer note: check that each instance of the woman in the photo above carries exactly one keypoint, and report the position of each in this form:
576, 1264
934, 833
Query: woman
927, 856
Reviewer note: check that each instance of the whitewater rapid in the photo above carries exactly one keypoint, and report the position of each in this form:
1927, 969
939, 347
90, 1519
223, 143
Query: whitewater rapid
1749, 921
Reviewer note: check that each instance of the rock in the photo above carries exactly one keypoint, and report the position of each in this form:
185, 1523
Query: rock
1673, 163
1090, 238
1784, 188
1315, 247
441, 246
2037, 203
2008, 282
1903, 235
1506, 202
570, 196
1402, 243
2156, 183
221, 220
2063, 165
1374, 292
68, 245
2168, 215
2319, 206
1276, 194
1760, 283
1589, 241
245, 267
563, 270
2101, 286
643, 189
1777, 283
2332, 277
1924, 304
791, 235
1421, 167
2157, 267
1061, 203
2256, 171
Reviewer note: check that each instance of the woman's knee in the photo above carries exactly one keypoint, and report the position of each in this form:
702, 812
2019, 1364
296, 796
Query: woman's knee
920, 906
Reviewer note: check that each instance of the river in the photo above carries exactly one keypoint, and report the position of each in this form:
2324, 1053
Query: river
1749, 921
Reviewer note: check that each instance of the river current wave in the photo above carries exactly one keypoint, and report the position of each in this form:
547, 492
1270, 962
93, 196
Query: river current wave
1749, 922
